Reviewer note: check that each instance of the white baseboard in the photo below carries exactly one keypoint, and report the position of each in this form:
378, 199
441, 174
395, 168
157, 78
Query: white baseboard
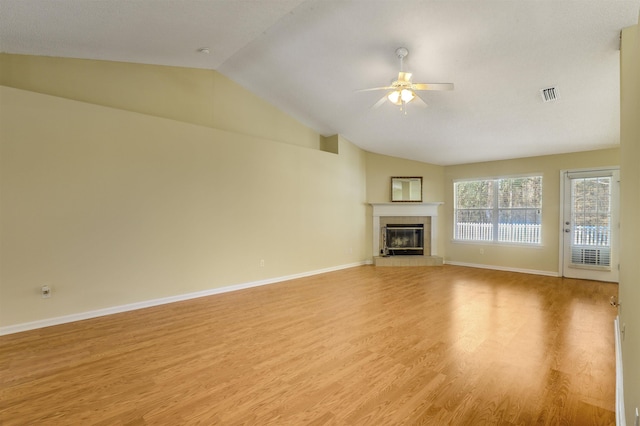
503, 268
17, 328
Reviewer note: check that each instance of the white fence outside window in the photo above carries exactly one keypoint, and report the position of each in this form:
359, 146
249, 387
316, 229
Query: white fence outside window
529, 233
592, 236
507, 232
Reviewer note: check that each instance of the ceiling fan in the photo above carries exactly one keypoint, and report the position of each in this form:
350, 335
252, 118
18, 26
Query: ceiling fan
402, 91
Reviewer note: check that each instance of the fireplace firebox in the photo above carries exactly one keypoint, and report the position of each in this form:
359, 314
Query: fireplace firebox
403, 239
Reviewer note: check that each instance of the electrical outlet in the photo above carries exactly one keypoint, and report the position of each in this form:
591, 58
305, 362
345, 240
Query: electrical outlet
45, 291
261, 263
482, 251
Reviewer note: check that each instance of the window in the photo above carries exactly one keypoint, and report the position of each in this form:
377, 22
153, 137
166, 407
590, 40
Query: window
507, 210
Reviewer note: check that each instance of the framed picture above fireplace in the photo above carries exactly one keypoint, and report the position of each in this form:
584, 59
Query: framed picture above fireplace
406, 189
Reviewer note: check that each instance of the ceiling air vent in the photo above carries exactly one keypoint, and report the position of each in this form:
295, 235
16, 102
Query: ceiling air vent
549, 94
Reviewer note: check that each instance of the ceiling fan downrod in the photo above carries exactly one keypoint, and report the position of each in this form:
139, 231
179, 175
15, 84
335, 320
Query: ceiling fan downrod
401, 53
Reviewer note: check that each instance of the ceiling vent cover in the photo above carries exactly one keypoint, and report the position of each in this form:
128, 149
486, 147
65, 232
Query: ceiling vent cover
549, 94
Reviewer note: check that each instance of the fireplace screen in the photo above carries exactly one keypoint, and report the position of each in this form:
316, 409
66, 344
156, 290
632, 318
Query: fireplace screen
403, 240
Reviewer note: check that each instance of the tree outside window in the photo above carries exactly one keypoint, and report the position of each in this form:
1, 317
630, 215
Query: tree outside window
505, 210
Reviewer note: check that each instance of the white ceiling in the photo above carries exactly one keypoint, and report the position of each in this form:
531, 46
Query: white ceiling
309, 57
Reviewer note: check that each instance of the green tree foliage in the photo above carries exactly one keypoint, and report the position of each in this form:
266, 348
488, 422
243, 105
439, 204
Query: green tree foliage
499, 203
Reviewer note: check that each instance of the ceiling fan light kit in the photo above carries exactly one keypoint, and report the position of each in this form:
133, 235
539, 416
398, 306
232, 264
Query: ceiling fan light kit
402, 91
399, 97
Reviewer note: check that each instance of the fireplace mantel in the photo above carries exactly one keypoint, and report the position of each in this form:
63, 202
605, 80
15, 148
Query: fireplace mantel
405, 209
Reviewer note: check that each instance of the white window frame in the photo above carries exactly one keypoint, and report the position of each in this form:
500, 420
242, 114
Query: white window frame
495, 212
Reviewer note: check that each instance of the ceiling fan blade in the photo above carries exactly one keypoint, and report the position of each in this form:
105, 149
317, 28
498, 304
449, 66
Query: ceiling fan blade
419, 101
404, 76
380, 102
432, 86
375, 88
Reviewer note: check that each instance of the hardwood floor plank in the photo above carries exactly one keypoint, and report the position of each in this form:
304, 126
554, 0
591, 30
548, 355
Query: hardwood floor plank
420, 345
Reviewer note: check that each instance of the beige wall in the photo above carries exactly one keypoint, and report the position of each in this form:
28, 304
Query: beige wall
629, 291
111, 207
191, 95
438, 186
544, 259
380, 168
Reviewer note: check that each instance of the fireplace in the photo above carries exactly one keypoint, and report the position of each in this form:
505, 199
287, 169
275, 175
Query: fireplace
405, 249
401, 239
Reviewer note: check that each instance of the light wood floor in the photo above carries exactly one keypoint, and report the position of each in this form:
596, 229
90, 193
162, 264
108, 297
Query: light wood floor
377, 346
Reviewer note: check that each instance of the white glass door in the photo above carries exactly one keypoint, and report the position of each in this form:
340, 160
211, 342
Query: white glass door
590, 225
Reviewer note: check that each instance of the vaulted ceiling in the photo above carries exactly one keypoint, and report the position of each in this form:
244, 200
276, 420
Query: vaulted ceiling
309, 58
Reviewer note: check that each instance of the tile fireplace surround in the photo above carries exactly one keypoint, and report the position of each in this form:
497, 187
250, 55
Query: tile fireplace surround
421, 210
